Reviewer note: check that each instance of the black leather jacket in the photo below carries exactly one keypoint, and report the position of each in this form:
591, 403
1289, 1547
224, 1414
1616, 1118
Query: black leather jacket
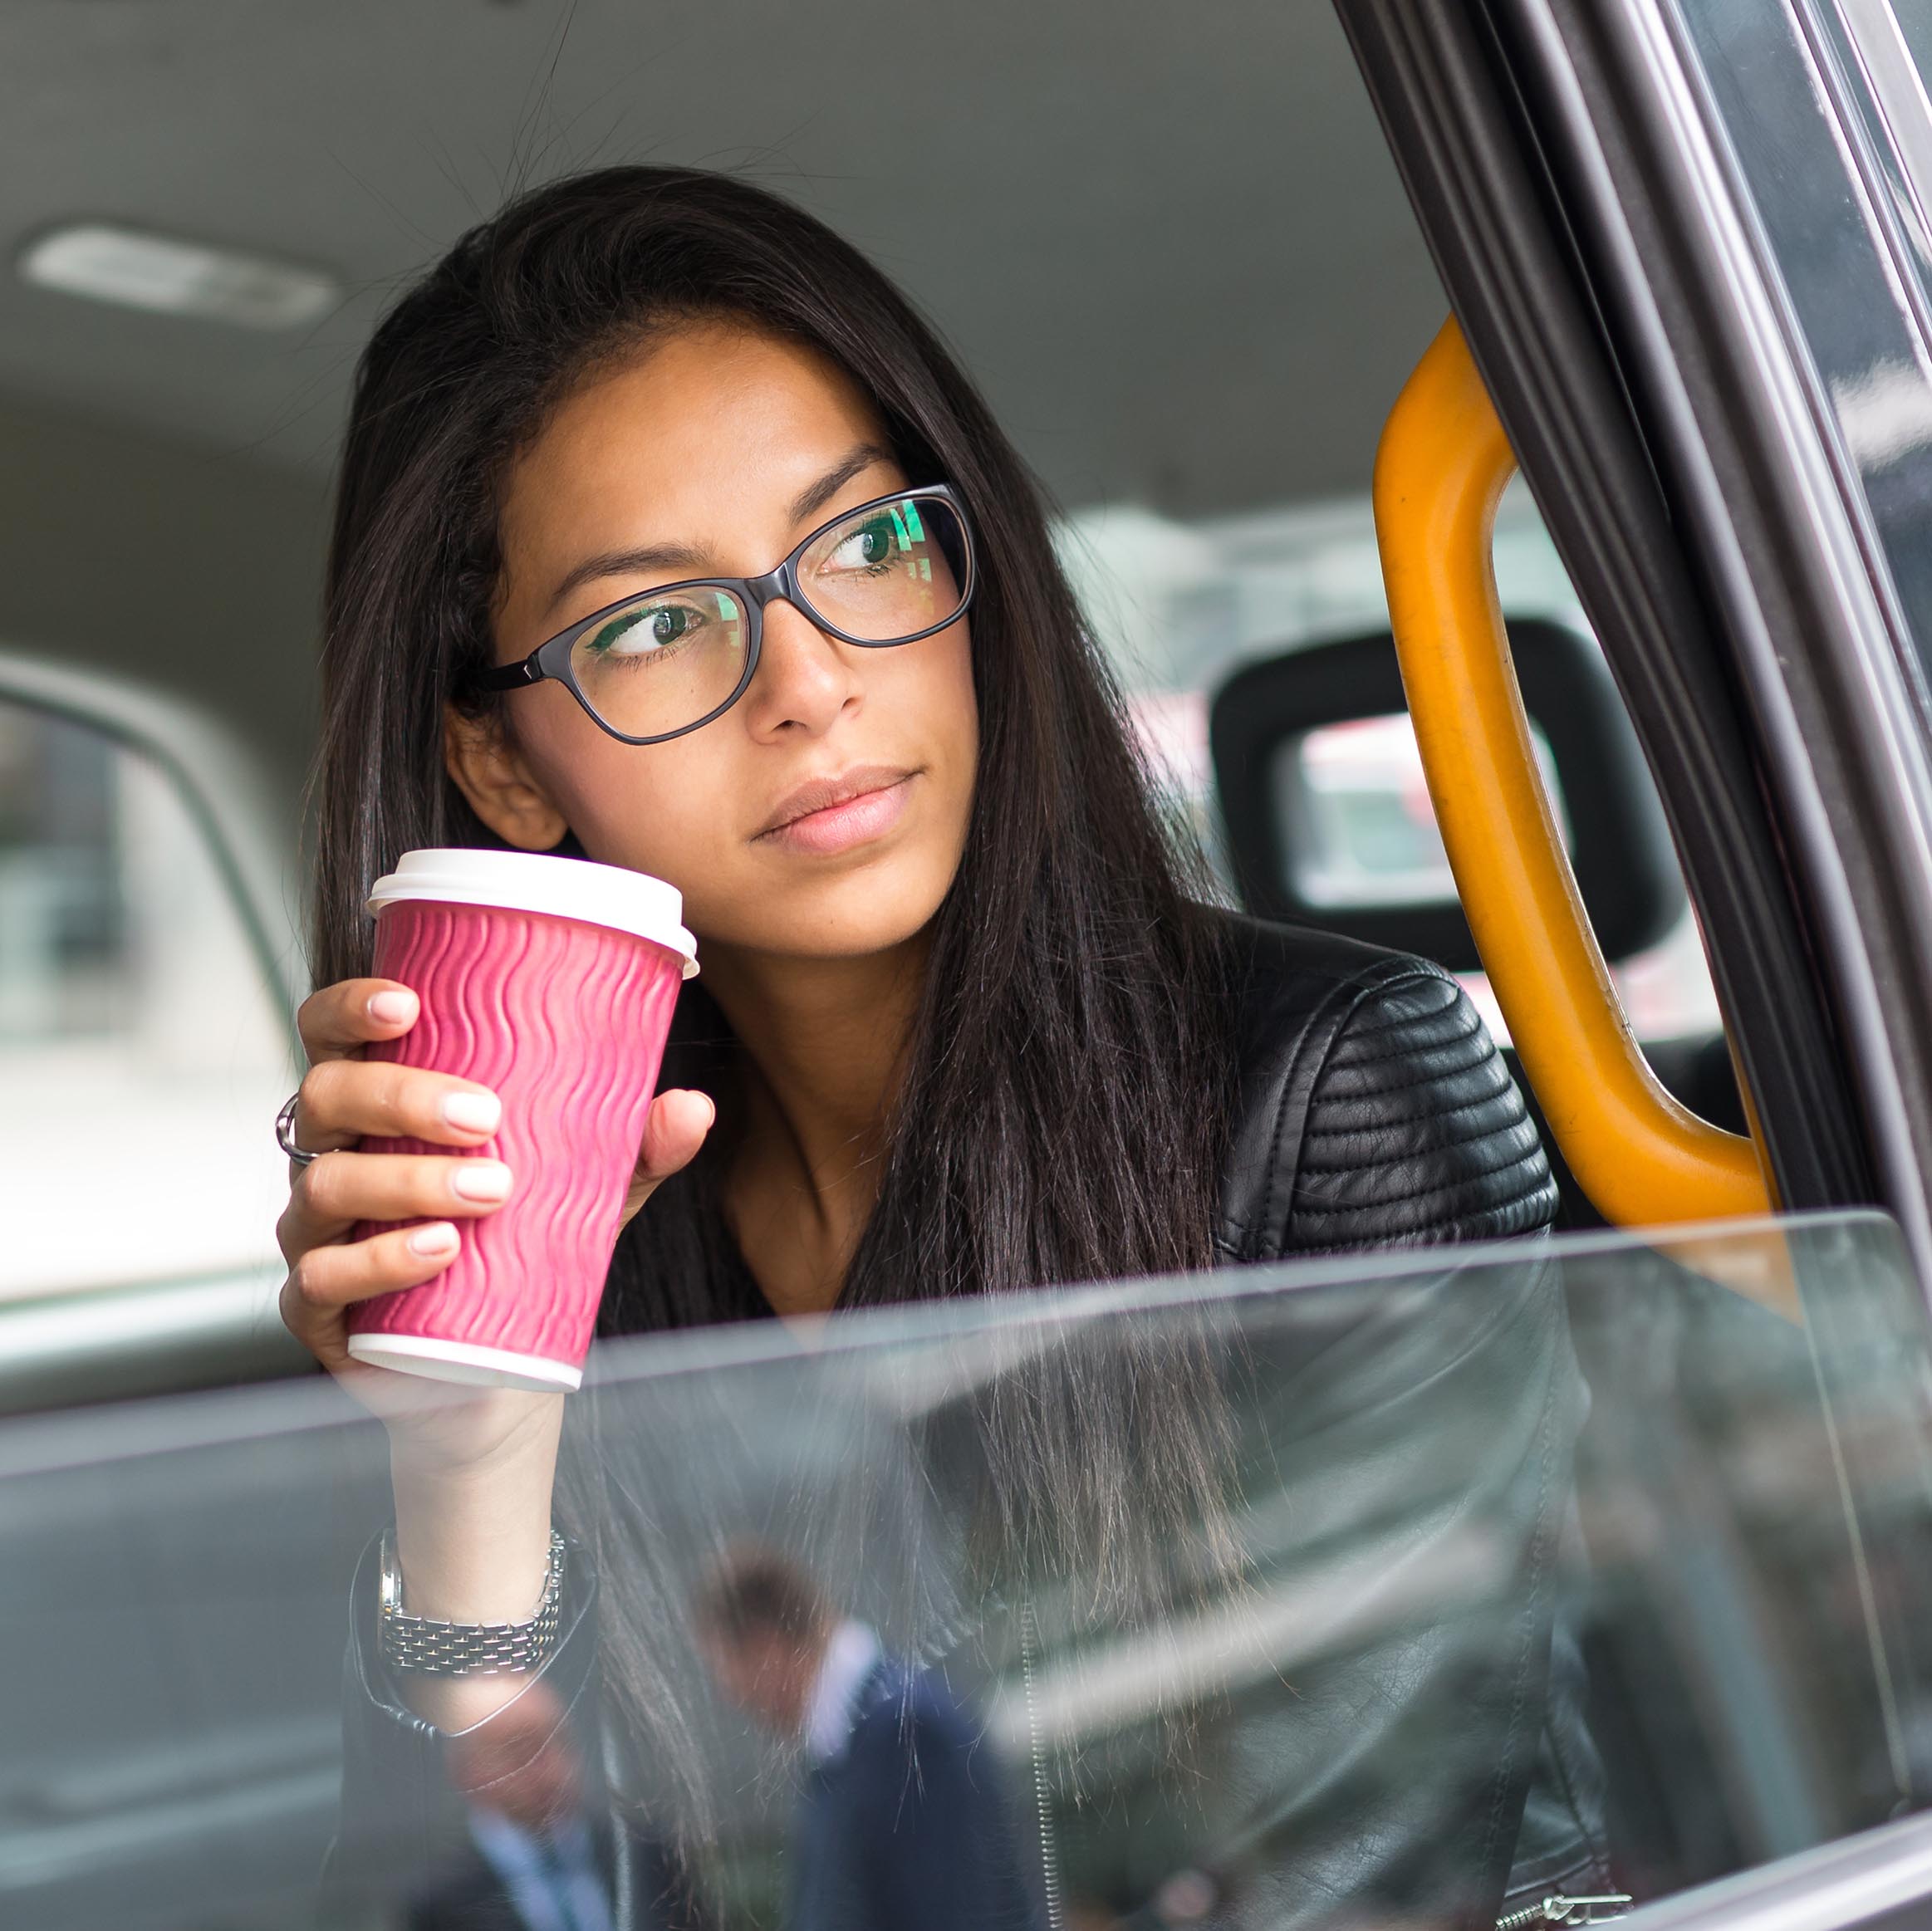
1377, 1112
1435, 1773
1374, 1109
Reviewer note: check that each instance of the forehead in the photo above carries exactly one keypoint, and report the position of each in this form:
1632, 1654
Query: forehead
715, 421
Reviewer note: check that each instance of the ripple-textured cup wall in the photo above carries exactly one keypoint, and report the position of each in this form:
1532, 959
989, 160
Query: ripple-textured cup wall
566, 1023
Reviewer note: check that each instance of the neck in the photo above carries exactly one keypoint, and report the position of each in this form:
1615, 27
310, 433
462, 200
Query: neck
827, 1040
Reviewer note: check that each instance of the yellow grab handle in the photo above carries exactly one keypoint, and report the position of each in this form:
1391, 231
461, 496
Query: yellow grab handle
1643, 1158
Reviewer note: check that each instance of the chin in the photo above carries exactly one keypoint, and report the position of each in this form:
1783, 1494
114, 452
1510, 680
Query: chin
858, 921
869, 909
834, 937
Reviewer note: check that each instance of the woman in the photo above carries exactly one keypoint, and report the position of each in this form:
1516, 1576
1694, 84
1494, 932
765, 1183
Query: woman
962, 1026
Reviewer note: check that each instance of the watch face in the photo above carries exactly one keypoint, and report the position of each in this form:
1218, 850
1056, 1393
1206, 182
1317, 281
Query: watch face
390, 1592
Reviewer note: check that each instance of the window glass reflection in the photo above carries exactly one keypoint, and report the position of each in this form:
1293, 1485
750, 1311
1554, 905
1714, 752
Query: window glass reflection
1580, 1572
1827, 118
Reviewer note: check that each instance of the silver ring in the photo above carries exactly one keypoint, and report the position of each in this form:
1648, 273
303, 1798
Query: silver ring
299, 1157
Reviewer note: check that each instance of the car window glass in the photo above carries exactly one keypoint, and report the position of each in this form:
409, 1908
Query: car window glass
1827, 118
1912, 22
1672, 1496
131, 994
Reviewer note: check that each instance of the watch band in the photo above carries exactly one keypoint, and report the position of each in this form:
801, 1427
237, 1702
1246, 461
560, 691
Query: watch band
426, 1647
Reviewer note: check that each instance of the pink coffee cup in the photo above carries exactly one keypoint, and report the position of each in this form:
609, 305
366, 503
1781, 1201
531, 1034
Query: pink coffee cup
550, 981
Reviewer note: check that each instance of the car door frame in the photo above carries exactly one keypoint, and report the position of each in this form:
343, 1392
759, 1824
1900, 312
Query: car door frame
1878, 1881
1580, 216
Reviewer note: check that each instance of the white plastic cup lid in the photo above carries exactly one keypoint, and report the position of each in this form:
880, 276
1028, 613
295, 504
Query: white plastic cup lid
530, 881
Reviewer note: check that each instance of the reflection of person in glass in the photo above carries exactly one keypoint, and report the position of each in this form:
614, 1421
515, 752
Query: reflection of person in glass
538, 1863
786, 625
540, 1849
902, 1820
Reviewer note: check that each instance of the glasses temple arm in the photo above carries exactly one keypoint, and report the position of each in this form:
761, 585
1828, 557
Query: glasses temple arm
508, 677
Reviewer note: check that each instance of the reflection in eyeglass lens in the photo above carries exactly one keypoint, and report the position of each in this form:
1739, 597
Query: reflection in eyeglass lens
887, 572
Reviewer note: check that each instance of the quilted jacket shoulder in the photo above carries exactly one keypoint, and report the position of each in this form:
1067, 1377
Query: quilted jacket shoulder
1373, 1109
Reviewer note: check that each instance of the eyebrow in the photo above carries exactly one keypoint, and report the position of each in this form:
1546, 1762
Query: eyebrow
857, 460
687, 562
650, 557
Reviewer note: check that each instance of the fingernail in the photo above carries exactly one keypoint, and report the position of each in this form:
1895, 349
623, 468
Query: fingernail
481, 1180
393, 1008
473, 1112
438, 1238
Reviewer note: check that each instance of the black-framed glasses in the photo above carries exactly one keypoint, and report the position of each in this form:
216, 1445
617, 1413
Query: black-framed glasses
663, 662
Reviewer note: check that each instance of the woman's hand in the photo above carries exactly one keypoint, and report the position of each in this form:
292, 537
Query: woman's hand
345, 1097
472, 1468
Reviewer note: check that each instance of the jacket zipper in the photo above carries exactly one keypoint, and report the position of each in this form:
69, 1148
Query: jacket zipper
1043, 1796
1561, 1909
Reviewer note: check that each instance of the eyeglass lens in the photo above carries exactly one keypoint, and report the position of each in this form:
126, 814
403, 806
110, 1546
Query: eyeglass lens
667, 659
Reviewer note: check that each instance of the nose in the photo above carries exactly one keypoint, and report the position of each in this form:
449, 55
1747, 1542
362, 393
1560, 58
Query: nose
806, 680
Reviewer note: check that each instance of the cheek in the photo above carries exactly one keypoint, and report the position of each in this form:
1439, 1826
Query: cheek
657, 808
963, 699
961, 703
930, 685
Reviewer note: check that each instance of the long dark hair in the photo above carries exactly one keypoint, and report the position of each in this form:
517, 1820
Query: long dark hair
1062, 1111
1064, 1103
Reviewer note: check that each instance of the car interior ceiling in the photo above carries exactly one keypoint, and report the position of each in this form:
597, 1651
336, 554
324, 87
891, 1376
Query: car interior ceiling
375, 135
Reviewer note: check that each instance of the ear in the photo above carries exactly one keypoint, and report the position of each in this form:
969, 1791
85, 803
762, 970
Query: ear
489, 771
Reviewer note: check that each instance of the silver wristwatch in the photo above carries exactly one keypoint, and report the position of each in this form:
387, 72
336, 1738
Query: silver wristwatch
430, 1648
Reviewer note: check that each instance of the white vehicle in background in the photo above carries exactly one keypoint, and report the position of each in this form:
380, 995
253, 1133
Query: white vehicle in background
148, 962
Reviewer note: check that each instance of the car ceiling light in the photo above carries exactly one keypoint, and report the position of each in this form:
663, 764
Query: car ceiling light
167, 277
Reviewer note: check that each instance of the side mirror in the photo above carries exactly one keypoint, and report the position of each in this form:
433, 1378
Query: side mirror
1328, 822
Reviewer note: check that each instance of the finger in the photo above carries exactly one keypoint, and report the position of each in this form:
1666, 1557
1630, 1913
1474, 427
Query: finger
342, 1100
328, 1279
339, 1189
674, 1131
353, 1013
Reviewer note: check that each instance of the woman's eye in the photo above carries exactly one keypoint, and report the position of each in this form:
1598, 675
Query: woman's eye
867, 547
642, 632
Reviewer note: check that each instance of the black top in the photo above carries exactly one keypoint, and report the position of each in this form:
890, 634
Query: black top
1373, 1111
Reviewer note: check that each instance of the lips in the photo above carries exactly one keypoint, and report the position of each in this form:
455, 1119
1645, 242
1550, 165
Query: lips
833, 814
